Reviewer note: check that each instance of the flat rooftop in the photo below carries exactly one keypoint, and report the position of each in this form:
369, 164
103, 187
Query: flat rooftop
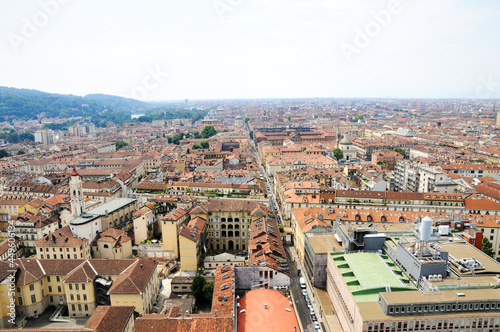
84, 218
385, 227
112, 206
367, 274
465, 250
323, 243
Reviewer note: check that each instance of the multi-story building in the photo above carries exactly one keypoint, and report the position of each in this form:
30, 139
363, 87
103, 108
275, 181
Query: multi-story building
406, 288
386, 159
82, 285
145, 224
229, 222
286, 162
472, 170
192, 243
112, 244
432, 179
62, 244
171, 224
31, 228
82, 129
211, 262
45, 136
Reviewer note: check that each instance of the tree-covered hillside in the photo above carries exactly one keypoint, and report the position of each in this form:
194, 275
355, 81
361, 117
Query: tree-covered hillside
27, 104
31, 104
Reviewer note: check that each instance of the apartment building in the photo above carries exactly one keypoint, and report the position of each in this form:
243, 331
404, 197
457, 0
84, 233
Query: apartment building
44, 136
288, 162
112, 244
229, 222
62, 244
145, 224
82, 285
31, 228
472, 170
192, 243
171, 224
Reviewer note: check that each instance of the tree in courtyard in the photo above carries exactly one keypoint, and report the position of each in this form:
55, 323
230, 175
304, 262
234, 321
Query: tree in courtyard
204, 144
338, 154
208, 291
487, 247
400, 151
197, 289
208, 132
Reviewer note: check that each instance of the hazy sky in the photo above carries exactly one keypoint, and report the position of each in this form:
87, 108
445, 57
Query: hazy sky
166, 49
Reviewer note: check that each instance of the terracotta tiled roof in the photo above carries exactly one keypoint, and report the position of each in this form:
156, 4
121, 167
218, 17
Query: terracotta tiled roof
135, 278
85, 272
79, 270
193, 229
110, 318
63, 237
478, 202
273, 309
265, 246
201, 324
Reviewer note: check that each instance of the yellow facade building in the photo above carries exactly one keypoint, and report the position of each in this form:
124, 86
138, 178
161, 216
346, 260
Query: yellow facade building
171, 224
82, 285
229, 222
192, 243
62, 244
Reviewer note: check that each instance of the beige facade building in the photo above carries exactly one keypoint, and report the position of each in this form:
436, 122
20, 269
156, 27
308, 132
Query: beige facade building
171, 224
229, 222
84, 284
62, 244
192, 243
112, 244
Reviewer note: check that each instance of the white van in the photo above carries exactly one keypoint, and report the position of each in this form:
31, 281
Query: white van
302, 282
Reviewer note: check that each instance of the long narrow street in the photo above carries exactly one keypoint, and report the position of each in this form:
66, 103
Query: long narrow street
303, 312
300, 302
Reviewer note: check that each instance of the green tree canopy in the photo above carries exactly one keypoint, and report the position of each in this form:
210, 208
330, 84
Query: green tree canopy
196, 147
120, 144
208, 291
400, 151
487, 247
197, 288
205, 144
3, 154
208, 132
338, 154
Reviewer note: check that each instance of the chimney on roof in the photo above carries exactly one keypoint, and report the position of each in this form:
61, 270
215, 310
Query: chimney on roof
142, 266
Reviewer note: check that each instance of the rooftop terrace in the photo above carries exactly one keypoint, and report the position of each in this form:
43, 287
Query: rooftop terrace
367, 274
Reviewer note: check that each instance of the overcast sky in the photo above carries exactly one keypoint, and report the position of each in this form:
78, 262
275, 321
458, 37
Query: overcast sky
197, 49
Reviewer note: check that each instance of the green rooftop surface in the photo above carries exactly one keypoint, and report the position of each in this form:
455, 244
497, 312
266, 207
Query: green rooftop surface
367, 274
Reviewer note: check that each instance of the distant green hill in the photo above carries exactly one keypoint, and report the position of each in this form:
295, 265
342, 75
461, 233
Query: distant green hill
30, 104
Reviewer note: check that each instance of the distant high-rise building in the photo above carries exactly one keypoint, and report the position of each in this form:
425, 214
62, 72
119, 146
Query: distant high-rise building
45, 137
238, 122
82, 129
498, 119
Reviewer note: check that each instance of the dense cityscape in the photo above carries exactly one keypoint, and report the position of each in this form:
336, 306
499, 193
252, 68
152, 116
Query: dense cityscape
250, 166
252, 215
